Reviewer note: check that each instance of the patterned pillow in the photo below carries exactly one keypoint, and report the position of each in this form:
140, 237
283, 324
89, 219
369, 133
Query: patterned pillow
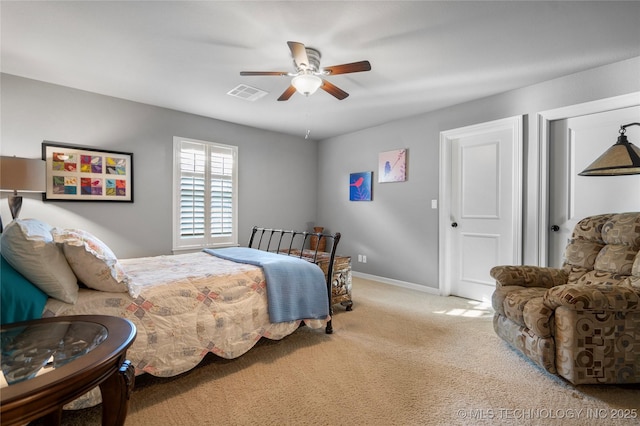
28, 246
92, 261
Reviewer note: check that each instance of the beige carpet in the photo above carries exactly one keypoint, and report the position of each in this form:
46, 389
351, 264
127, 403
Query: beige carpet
401, 357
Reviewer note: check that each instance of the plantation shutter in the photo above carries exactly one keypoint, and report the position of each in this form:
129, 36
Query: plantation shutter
221, 160
192, 190
205, 194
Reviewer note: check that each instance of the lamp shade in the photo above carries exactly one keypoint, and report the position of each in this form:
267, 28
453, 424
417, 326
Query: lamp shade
306, 84
22, 174
623, 158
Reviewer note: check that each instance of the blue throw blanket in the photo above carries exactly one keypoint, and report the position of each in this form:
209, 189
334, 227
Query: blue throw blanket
296, 289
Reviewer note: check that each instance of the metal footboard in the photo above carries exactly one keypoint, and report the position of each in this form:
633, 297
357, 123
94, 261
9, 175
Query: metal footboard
293, 243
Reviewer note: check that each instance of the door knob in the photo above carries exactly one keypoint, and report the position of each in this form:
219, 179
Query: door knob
454, 225
555, 228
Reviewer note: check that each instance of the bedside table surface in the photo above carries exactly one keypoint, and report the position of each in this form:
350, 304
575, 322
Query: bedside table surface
51, 361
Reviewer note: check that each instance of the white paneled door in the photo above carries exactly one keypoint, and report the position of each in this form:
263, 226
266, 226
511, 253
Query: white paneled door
573, 144
480, 225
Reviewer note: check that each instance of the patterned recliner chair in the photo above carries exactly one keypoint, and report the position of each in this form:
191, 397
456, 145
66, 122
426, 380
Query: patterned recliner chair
582, 321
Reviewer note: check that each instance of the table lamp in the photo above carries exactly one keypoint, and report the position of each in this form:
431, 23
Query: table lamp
20, 174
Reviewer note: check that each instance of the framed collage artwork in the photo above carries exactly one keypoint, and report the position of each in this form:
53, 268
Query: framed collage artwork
77, 173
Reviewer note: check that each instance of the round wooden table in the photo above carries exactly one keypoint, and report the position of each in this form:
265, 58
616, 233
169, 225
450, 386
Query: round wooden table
49, 362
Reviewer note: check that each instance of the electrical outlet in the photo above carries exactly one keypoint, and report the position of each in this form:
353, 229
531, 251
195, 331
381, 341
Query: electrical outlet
359, 258
364, 259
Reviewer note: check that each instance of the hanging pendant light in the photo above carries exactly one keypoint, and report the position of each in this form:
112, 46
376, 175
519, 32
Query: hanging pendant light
623, 158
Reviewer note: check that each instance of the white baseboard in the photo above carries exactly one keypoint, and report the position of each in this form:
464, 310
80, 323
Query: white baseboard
397, 283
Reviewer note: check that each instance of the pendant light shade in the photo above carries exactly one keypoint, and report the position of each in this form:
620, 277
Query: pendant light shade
306, 84
623, 158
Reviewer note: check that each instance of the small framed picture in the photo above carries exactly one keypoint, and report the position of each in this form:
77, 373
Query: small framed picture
360, 186
392, 166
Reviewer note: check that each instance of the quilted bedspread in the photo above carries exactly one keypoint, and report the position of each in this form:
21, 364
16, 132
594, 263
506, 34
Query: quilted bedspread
184, 306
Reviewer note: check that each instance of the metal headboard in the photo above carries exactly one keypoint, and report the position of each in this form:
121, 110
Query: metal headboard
293, 243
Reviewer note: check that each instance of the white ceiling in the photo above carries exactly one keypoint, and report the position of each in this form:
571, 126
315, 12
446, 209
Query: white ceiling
425, 55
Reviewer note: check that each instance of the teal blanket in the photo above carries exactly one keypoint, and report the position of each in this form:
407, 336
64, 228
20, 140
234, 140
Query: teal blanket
296, 289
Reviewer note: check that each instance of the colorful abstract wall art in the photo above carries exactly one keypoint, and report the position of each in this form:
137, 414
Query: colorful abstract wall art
360, 186
77, 173
392, 166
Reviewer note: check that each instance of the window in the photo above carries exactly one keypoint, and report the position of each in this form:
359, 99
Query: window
205, 206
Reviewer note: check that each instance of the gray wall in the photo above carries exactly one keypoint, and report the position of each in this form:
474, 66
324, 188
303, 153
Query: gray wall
398, 230
33, 111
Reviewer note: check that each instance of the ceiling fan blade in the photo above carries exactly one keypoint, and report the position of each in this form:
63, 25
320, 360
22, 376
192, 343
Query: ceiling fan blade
264, 73
348, 68
333, 90
287, 93
299, 53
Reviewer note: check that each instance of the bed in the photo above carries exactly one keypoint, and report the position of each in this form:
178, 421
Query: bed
184, 306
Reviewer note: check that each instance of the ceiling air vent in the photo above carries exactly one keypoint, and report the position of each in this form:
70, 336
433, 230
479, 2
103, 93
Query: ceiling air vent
245, 92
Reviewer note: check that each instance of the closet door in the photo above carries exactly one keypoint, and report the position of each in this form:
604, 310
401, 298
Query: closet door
574, 144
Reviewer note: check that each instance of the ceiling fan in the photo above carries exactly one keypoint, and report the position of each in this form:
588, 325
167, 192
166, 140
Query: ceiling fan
308, 75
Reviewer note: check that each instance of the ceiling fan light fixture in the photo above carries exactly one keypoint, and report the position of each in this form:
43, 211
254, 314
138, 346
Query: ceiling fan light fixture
306, 84
306, 80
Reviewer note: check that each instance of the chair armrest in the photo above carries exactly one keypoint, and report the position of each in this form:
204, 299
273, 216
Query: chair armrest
528, 276
593, 297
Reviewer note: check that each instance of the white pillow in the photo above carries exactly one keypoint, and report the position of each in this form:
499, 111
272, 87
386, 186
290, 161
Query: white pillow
93, 262
28, 246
